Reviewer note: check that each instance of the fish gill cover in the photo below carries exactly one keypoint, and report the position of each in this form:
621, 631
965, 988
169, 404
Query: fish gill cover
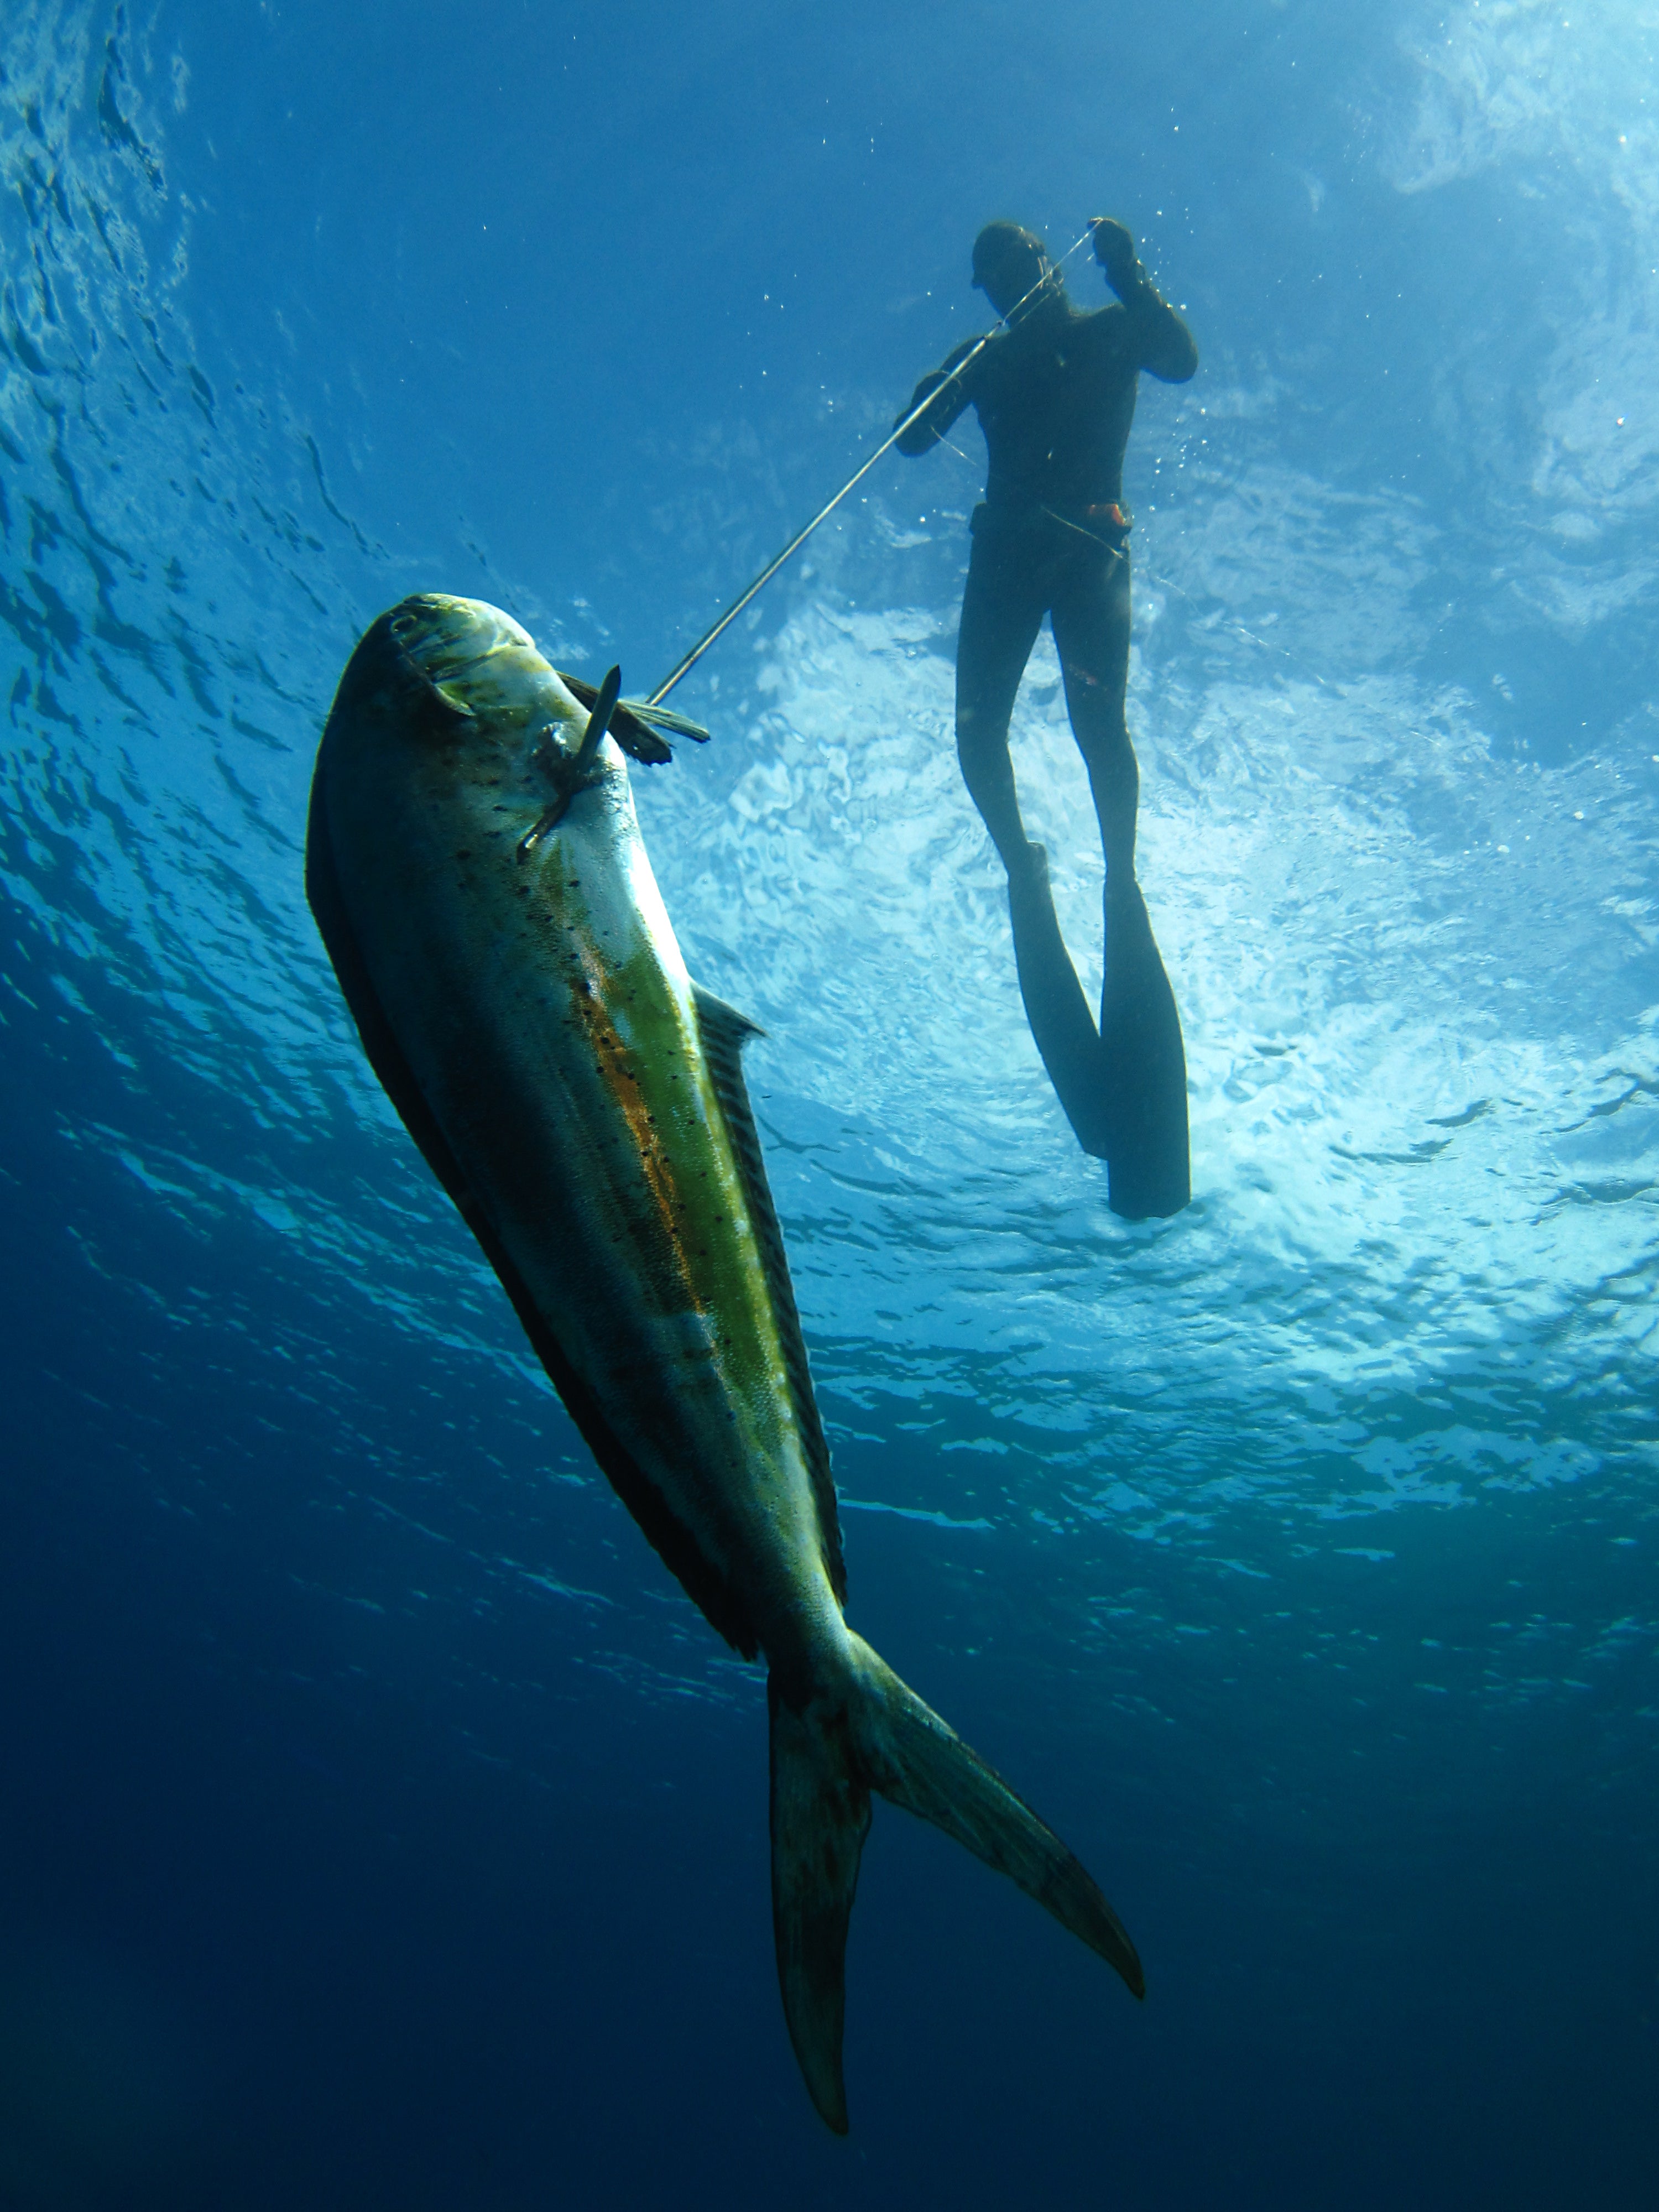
1299, 1550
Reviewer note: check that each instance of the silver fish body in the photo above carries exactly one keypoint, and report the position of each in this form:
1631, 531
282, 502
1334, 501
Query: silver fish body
487, 903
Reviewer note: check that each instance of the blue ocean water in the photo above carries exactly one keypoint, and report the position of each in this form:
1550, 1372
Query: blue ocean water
380, 1826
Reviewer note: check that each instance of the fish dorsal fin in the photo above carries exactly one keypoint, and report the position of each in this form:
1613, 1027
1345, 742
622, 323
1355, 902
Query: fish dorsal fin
724, 1032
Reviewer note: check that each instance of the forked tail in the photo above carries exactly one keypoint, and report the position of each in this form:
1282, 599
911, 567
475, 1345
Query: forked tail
869, 1732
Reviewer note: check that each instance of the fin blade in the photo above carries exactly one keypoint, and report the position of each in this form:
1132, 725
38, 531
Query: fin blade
1062, 1027
820, 1816
1149, 1166
908, 1754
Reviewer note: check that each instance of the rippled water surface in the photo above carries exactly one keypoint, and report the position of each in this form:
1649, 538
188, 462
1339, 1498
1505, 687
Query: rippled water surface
380, 1827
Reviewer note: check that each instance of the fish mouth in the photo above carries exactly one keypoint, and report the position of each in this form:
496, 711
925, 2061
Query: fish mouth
483, 664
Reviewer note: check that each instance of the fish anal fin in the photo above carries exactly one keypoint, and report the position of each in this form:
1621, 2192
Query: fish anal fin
724, 1032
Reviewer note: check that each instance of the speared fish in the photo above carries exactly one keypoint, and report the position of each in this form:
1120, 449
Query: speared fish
479, 880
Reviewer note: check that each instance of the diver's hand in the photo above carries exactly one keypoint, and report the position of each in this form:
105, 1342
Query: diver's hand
1115, 250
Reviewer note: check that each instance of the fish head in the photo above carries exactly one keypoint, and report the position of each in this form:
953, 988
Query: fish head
485, 668
480, 661
501, 702
453, 737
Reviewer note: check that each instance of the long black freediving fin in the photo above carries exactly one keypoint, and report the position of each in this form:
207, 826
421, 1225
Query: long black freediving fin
1148, 1153
1062, 1025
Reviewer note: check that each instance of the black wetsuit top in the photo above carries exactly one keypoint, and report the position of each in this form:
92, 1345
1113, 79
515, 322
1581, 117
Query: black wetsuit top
1055, 397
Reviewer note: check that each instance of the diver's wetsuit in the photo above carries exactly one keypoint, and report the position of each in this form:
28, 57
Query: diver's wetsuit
1055, 397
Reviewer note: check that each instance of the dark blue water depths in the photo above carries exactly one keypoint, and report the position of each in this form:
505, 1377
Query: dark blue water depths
379, 1825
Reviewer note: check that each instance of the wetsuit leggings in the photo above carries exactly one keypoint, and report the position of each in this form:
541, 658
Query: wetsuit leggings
1014, 579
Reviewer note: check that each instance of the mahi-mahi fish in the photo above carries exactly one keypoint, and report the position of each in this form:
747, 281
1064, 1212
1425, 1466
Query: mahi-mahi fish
475, 869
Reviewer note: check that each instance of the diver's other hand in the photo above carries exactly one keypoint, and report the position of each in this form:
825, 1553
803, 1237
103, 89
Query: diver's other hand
1115, 250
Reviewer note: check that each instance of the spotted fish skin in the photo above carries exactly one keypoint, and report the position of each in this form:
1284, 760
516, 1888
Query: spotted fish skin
501, 940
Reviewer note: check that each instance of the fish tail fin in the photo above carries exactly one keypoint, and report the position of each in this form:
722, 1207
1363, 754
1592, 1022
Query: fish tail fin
910, 1755
820, 1818
871, 1732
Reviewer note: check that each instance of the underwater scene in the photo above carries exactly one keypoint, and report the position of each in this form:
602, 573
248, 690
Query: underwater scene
466, 1190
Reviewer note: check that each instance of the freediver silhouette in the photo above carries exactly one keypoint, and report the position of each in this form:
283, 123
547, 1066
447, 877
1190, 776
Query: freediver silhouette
1054, 392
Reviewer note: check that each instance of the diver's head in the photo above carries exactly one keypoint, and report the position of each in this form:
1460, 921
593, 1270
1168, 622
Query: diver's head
1010, 262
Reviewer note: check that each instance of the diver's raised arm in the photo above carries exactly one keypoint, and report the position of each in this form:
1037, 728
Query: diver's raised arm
1164, 343
928, 429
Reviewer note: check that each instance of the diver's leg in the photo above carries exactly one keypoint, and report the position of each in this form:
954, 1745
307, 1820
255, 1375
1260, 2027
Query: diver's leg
1142, 1057
1001, 614
1001, 618
1092, 636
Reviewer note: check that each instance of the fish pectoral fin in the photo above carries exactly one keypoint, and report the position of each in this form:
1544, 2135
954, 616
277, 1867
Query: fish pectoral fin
820, 1818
